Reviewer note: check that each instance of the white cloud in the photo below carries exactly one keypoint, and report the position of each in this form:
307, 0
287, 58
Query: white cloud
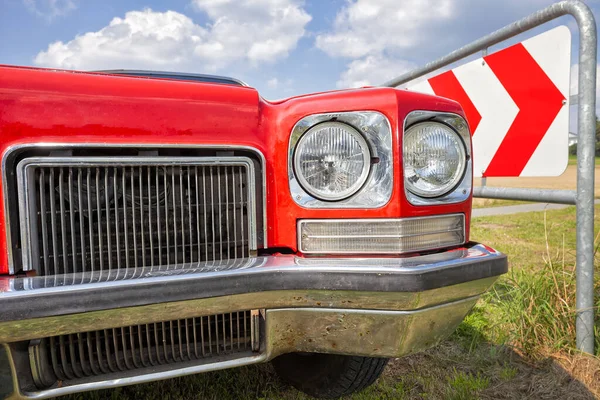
50, 9
264, 30
366, 27
391, 36
143, 39
375, 32
255, 32
372, 70
273, 83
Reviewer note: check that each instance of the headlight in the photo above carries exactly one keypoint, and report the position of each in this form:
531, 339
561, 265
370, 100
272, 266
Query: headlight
434, 159
332, 161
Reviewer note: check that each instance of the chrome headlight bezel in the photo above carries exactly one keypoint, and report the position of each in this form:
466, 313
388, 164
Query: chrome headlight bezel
376, 191
462, 188
366, 161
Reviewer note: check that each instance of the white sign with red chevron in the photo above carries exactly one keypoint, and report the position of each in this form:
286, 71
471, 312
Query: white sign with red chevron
517, 103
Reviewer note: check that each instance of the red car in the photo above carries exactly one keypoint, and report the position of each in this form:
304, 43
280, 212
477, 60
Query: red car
157, 225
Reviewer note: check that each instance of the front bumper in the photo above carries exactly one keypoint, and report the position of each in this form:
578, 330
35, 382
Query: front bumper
385, 307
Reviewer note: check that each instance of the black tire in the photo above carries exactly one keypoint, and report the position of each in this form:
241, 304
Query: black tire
328, 376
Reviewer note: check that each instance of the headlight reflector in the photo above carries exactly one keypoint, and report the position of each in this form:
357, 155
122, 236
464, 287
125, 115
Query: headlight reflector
332, 161
434, 159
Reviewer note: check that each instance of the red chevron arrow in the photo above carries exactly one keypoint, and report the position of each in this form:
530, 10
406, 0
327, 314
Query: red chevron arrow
538, 100
446, 85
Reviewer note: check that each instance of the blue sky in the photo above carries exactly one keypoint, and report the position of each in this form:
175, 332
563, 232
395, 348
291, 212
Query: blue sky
281, 47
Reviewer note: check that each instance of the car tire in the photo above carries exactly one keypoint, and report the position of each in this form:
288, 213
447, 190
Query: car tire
328, 376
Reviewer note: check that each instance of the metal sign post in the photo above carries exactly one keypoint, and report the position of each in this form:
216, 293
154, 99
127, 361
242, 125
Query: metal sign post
583, 197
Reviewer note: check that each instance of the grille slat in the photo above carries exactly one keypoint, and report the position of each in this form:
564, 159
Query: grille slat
99, 224
227, 212
205, 224
242, 211
124, 337
76, 368
81, 219
108, 220
53, 224
189, 198
42, 180
150, 211
89, 219
54, 358
72, 217
66, 368
131, 216
84, 364
181, 208
134, 217
143, 236
61, 200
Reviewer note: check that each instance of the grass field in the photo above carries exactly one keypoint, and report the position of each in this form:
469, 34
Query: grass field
516, 343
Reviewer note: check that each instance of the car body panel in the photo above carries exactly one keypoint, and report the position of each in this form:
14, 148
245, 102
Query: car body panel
43, 106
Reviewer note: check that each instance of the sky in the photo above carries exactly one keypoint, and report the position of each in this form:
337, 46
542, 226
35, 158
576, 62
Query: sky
281, 47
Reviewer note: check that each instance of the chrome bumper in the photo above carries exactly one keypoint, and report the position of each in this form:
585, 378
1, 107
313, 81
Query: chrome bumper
386, 307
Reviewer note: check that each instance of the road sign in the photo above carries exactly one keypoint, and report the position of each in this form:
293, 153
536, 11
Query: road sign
517, 103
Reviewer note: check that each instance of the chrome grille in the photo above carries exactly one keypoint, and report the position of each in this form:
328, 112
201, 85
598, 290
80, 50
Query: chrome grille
84, 214
117, 350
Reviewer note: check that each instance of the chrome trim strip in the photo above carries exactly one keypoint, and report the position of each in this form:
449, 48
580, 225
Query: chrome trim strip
40, 297
377, 130
62, 145
464, 188
156, 376
174, 75
367, 220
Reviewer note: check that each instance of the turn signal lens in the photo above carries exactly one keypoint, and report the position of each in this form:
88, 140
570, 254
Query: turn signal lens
380, 236
434, 159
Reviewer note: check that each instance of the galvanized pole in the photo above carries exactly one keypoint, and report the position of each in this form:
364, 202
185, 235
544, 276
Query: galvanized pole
586, 147
586, 102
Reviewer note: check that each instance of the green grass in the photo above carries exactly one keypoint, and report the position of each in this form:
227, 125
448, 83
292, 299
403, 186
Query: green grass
507, 373
532, 307
503, 349
573, 160
465, 386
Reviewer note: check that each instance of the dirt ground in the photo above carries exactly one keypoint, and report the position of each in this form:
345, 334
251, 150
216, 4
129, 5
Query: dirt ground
508, 375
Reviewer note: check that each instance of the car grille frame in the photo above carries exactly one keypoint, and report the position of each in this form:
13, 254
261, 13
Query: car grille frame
154, 210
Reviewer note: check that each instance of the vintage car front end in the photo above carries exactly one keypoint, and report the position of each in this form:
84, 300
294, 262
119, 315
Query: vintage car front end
155, 228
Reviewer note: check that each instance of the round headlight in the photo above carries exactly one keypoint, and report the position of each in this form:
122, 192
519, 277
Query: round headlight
434, 159
332, 161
